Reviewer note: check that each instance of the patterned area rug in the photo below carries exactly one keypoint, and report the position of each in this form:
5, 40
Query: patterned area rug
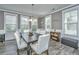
56, 48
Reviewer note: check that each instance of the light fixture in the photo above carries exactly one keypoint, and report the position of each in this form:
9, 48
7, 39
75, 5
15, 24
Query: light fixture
30, 19
53, 9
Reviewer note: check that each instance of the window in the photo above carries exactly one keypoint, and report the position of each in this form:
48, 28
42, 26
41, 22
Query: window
48, 23
34, 25
70, 22
24, 23
10, 22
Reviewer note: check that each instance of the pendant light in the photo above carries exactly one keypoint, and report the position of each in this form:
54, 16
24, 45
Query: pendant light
32, 15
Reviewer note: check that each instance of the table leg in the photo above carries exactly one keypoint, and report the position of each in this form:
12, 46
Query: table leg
28, 49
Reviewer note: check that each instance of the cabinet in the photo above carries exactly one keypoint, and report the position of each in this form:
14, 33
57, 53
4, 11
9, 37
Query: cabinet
55, 36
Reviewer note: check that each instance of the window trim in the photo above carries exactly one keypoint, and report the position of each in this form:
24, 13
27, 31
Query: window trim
23, 24
63, 24
36, 24
7, 13
46, 23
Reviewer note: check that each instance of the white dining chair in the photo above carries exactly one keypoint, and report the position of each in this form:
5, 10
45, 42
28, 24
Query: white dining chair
42, 44
20, 42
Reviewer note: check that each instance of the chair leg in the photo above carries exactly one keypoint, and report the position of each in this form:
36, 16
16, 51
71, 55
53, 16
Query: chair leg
17, 51
47, 52
31, 51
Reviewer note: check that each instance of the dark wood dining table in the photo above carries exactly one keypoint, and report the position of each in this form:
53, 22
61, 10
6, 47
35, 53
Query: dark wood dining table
28, 41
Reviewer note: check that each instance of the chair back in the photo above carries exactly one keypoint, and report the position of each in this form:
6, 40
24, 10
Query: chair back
17, 37
43, 42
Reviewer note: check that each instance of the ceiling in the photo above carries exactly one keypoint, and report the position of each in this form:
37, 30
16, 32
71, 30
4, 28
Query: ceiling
36, 10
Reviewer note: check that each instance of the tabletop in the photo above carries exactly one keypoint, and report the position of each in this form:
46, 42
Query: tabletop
28, 39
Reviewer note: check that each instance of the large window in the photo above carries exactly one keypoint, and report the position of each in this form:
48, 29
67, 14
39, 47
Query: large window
48, 23
24, 23
71, 22
34, 25
10, 22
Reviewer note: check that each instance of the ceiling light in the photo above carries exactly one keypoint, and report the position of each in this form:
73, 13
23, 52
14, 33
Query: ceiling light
33, 4
53, 9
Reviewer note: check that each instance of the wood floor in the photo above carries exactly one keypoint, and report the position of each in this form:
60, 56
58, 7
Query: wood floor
55, 48
8, 48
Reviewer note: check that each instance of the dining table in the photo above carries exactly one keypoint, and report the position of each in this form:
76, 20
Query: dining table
28, 41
